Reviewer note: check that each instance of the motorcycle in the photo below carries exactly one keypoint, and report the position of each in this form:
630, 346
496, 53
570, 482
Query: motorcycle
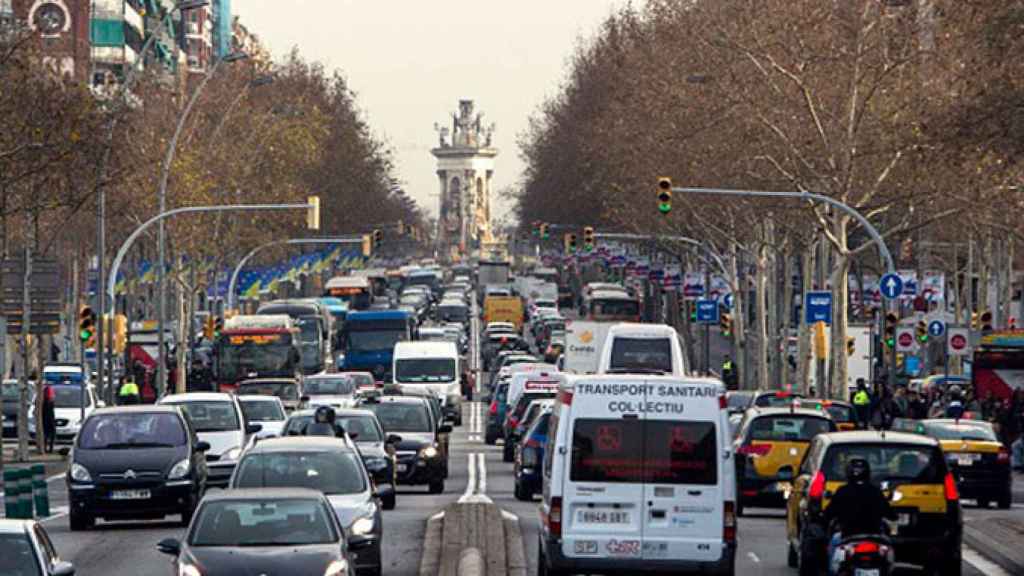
863, 555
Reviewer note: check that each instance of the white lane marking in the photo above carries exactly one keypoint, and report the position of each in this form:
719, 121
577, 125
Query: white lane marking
753, 558
471, 484
481, 477
984, 565
58, 512
438, 516
477, 481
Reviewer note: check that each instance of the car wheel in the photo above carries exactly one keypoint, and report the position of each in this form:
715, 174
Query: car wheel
791, 556
739, 509
388, 502
809, 563
1006, 500
506, 451
437, 487
79, 521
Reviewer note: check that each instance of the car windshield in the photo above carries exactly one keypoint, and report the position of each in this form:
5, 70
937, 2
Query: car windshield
211, 415
962, 431
419, 370
269, 355
133, 430
362, 428
906, 463
70, 397
263, 522
10, 391
340, 386
402, 417
262, 411
788, 428
641, 354
331, 472
361, 379
283, 390
17, 556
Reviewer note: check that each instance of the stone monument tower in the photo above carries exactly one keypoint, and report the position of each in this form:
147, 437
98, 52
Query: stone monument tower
465, 166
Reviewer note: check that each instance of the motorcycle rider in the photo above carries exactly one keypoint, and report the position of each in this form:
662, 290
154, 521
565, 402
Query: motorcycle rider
955, 408
323, 424
858, 507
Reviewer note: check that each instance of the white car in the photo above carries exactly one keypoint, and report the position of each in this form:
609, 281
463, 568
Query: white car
68, 409
267, 411
334, 390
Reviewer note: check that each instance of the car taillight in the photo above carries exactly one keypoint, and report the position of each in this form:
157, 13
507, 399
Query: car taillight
555, 518
494, 408
513, 421
754, 449
817, 489
565, 397
950, 485
865, 548
729, 522
1004, 455
723, 403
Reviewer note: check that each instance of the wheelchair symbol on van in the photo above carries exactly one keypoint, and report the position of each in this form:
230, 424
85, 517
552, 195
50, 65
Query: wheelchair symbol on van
609, 438
679, 442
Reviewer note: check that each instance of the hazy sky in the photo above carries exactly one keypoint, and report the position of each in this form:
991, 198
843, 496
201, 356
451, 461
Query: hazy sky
410, 61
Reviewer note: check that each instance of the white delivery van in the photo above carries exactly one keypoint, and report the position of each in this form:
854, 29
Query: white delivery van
638, 477
433, 366
534, 377
584, 342
642, 349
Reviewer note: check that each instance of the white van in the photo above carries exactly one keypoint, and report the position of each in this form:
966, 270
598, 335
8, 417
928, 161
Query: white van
638, 476
535, 377
642, 349
433, 366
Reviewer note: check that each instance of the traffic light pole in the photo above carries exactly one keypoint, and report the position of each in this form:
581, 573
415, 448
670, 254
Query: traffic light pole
232, 299
123, 251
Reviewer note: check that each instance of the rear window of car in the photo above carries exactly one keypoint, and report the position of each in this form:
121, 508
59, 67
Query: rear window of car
636, 451
641, 353
904, 463
789, 428
964, 430
331, 472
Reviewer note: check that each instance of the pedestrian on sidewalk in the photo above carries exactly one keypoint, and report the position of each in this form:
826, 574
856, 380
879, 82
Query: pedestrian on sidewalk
49, 418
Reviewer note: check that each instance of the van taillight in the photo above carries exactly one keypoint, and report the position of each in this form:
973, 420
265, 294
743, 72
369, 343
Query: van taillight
950, 486
817, 489
565, 397
494, 407
555, 518
729, 522
723, 403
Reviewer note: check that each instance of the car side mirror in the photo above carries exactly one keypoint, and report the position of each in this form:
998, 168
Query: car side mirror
444, 429
353, 435
253, 428
304, 399
63, 569
786, 473
202, 446
393, 439
170, 546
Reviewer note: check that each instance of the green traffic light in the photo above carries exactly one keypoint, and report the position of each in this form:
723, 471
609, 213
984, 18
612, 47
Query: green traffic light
890, 342
85, 335
665, 207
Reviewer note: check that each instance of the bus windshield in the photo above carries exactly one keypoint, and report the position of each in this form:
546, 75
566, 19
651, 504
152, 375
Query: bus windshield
614, 309
245, 356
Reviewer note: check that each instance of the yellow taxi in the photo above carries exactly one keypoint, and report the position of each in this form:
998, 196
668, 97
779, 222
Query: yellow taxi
911, 470
842, 413
769, 446
979, 462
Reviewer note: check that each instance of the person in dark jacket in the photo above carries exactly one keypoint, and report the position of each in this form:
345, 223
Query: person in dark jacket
323, 424
858, 507
49, 417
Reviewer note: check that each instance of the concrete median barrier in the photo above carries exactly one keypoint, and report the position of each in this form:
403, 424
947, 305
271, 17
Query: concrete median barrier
473, 539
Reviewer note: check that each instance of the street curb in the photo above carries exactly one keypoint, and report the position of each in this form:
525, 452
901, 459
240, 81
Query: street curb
430, 562
991, 549
515, 550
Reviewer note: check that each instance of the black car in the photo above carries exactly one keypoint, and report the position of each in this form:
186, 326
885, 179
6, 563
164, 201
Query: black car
331, 466
11, 397
262, 531
135, 462
419, 454
365, 430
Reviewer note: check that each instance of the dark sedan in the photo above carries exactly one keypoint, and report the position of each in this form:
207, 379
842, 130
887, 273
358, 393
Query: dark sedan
420, 457
269, 531
135, 462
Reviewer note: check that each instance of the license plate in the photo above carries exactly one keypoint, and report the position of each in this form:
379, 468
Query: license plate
903, 520
602, 517
866, 572
129, 495
402, 467
967, 459
585, 547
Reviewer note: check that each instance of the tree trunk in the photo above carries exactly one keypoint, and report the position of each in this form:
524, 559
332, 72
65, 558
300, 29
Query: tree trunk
787, 314
804, 355
739, 317
760, 281
840, 307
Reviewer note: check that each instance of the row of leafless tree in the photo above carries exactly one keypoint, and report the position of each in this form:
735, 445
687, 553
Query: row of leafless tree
910, 111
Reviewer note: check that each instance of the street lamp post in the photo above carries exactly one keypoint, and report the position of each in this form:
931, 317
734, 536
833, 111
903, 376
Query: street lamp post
165, 173
101, 196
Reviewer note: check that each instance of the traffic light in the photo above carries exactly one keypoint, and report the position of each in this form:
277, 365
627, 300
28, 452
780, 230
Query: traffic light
218, 325
725, 323
986, 321
891, 320
208, 328
664, 195
367, 245
536, 227
922, 331
378, 238
120, 333
313, 214
851, 345
570, 243
543, 231
974, 320
87, 326
588, 238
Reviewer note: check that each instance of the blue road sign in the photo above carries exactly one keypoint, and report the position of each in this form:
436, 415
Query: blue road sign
936, 328
728, 300
818, 307
707, 311
891, 286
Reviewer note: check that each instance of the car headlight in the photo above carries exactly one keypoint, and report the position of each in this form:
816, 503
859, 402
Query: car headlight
232, 454
337, 568
79, 473
362, 526
429, 452
376, 464
186, 569
180, 470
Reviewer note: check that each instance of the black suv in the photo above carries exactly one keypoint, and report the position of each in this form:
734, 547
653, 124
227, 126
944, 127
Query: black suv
420, 456
135, 462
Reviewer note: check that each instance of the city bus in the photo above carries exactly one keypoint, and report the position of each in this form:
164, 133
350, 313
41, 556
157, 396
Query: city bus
261, 346
611, 306
369, 340
353, 290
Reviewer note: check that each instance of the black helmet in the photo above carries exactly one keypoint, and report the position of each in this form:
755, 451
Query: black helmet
955, 391
324, 415
858, 471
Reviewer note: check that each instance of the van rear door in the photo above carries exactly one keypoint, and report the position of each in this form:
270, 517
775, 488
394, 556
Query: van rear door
603, 490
